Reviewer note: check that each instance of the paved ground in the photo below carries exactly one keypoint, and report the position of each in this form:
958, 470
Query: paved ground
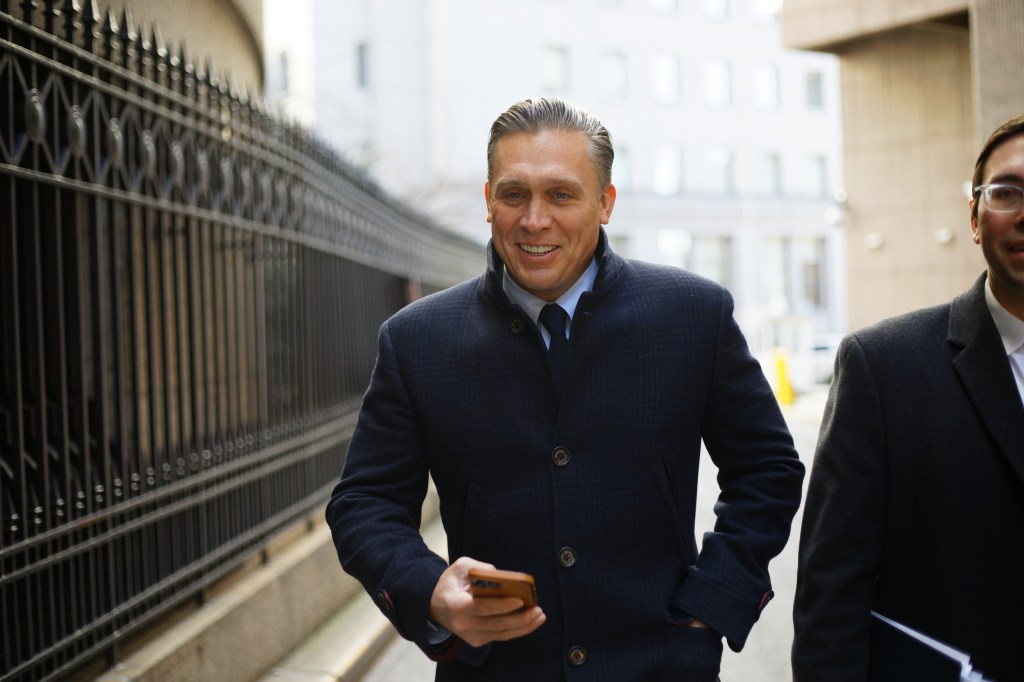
766, 655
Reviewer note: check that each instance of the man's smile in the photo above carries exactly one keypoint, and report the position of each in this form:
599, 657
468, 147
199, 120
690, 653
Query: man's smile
537, 250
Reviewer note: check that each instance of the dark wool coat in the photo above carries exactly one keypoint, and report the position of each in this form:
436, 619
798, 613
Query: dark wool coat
916, 501
462, 391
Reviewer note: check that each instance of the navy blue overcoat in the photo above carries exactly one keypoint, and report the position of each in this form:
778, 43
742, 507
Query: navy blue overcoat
462, 392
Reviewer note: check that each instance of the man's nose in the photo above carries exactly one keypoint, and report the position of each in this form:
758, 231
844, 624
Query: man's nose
537, 216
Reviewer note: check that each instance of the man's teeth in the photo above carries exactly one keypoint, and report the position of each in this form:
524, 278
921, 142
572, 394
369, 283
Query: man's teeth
536, 250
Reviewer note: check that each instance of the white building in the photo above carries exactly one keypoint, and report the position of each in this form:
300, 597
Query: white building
727, 145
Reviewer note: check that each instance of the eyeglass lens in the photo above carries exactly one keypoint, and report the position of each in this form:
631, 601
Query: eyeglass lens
1004, 197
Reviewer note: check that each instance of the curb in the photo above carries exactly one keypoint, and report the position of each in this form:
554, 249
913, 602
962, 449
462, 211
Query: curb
345, 647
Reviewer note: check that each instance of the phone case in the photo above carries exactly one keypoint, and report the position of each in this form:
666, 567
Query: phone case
498, 583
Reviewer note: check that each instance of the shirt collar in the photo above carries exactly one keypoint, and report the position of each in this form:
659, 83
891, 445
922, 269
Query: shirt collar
533, 305
1011, 329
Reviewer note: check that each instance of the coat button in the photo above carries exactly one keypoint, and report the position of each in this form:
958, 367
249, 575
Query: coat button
577, 655
567, 557
518, 326
560, 456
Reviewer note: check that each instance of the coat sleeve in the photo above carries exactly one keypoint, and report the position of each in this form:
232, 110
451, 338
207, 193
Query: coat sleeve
760, 479
843, 528
374, 511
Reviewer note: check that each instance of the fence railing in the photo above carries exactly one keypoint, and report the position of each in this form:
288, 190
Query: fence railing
189, 297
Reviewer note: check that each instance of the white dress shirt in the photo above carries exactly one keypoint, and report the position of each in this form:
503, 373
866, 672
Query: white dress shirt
533, 305
1011, 331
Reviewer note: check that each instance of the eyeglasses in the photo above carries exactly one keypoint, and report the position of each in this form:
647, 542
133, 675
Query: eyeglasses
1002, 198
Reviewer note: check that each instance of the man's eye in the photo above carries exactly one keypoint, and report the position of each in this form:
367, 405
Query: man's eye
561, 196
513, 196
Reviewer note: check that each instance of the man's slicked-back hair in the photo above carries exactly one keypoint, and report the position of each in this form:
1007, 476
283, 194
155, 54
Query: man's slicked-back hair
1010, 128
551, 113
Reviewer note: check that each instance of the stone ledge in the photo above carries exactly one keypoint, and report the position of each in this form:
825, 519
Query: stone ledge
267, 614
346, 646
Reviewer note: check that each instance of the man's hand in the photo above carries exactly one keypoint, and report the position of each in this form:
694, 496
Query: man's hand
479, 621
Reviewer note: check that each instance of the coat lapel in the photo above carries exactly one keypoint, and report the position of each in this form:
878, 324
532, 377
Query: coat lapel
985, 373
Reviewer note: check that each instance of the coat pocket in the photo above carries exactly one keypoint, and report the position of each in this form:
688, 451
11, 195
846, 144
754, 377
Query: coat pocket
691, 654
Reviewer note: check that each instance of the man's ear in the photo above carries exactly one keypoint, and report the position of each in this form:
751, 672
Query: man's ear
974, 221
607, 203
487, 199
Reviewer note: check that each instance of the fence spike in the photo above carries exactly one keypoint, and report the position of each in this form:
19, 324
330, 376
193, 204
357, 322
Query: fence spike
140, 43
50, 14
90, 18
71, 12
28, 8
90, 12
169, 58
126, 34
184, 60
109, 32
210, 74
157, 47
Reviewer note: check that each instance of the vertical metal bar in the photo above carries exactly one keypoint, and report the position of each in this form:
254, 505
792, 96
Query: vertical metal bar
262, 383
12, 433
220, 319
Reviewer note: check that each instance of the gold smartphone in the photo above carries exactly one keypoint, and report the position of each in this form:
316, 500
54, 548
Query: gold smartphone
497, 583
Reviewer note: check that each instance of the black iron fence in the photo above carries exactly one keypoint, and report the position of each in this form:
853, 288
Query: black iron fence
189, 297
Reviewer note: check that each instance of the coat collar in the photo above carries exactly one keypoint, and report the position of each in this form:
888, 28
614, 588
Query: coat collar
981, 363
609, 266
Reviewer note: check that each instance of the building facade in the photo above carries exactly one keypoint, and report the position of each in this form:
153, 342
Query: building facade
923, 84
728, 152
227, 34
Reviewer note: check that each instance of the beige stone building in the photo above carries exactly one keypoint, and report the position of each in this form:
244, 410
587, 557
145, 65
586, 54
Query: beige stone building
228, 32
923, 84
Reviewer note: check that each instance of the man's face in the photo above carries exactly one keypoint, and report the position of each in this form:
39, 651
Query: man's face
545, 209
1001, 235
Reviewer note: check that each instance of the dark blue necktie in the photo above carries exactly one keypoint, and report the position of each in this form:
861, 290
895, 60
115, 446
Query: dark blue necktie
553, 318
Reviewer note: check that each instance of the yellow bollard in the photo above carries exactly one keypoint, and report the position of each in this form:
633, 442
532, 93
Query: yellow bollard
783, 389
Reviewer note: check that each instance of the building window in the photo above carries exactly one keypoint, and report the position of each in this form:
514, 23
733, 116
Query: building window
674, 247
770, 174
664, 6
765, 11
277, 79
666, 85
720, 170
717, 83
715, 9
766, 86
820, 165
791, 275
815, 91
555, 69
712, 258
622, 171
808, 256
362, 66
810, 176
616, 76
668, 170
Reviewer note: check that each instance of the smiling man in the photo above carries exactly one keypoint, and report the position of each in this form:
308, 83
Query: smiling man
915, 509
559, 402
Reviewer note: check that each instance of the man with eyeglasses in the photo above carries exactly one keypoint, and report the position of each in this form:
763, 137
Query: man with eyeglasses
912, 548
